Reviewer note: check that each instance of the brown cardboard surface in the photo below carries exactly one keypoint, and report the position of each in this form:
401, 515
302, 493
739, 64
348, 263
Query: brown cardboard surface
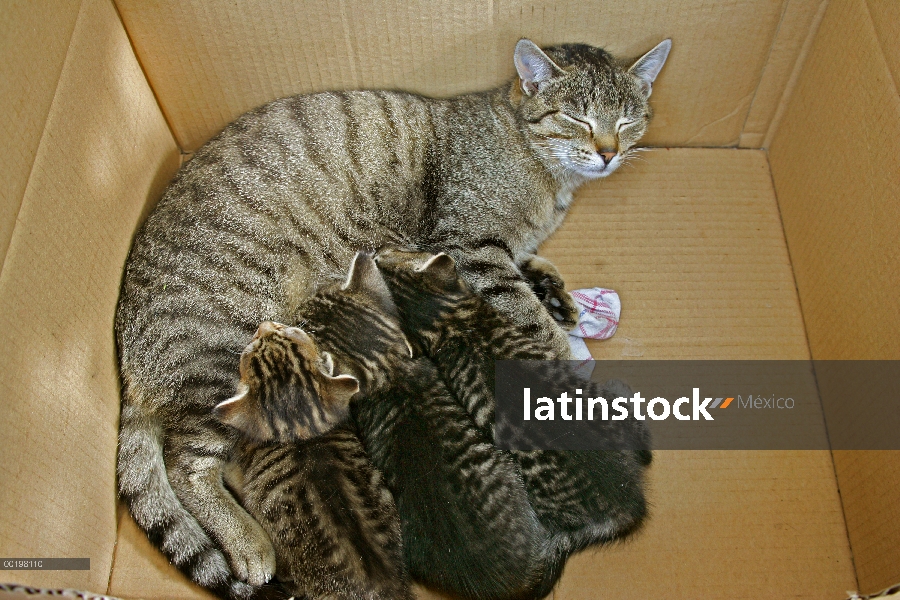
692, 241
207, 65
141, 571
736, 525
835, 162
869, 482
104, 153
796, 30
885, 16
27, 84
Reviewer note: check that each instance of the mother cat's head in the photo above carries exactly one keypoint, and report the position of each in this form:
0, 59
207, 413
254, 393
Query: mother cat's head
582, 109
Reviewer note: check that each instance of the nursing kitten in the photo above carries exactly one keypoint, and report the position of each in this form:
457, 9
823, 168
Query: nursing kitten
581, 498
467, 526
279, 202
332, 521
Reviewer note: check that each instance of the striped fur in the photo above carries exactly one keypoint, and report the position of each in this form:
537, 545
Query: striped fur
332, 520
467, 526
278, 203
302, 471
288, 389
581, 498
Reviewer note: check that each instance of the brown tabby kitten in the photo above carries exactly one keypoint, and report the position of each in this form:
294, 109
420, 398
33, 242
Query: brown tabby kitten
467, 526
278, 365
279, 202
332, 521
581, 498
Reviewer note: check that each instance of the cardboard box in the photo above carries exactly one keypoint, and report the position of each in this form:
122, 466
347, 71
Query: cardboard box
765, 226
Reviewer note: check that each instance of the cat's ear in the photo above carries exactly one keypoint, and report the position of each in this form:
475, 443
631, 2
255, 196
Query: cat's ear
441, 265
327, 364
534, 67
341, 388
364, 277
244, 414
647, 67
441, 268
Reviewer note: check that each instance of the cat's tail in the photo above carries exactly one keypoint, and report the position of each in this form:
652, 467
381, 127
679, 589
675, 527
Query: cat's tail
144, 486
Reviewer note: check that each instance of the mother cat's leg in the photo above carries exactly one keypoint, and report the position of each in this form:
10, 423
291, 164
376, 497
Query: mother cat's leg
492, 272
195, 462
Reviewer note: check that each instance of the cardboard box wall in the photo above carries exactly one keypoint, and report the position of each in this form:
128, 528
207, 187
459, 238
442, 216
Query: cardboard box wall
766, 228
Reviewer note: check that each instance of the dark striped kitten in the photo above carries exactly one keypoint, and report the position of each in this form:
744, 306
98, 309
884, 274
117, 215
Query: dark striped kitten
581, 498
467, 526
279, 202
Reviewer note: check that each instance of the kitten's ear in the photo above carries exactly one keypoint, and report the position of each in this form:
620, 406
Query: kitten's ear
440, 266
647, 67
243, 413
327, 364
342, 388
439, 263
534, 66
442, 269
364, 277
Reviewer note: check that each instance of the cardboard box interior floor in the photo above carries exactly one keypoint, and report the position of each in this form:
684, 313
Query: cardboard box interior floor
765, 226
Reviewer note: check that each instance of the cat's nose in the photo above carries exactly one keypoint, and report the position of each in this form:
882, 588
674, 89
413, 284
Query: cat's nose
606, 156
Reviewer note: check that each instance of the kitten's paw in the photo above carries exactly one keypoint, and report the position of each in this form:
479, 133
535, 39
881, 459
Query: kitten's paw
550, 289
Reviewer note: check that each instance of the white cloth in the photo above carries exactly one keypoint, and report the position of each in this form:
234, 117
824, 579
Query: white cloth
598, 317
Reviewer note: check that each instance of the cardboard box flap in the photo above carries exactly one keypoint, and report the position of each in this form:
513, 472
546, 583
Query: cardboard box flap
208, 65
835, 163
796, 31
105, 153
28, 81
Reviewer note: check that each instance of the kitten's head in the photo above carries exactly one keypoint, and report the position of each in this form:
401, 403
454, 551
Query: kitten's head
581, 108
358, 322
424, 287
298, 383
288, 388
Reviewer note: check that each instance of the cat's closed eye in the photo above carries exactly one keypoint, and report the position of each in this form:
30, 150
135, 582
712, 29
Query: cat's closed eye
623, 123
575, 120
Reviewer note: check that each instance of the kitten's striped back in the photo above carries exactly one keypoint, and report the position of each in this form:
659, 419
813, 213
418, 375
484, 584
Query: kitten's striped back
581, 498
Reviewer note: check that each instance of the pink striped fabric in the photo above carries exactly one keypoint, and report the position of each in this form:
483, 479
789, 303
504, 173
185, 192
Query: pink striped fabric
598, 318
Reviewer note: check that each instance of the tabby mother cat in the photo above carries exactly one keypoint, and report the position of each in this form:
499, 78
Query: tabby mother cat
281, 200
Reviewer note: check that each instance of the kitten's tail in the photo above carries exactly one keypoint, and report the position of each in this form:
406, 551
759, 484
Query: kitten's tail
144, 487
563, 544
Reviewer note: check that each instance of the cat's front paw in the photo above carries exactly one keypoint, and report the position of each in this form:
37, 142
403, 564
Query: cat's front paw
550, 289
252, 558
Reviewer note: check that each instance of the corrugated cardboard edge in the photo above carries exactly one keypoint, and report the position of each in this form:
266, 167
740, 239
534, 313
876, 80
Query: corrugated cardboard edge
792, 79
798, 19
